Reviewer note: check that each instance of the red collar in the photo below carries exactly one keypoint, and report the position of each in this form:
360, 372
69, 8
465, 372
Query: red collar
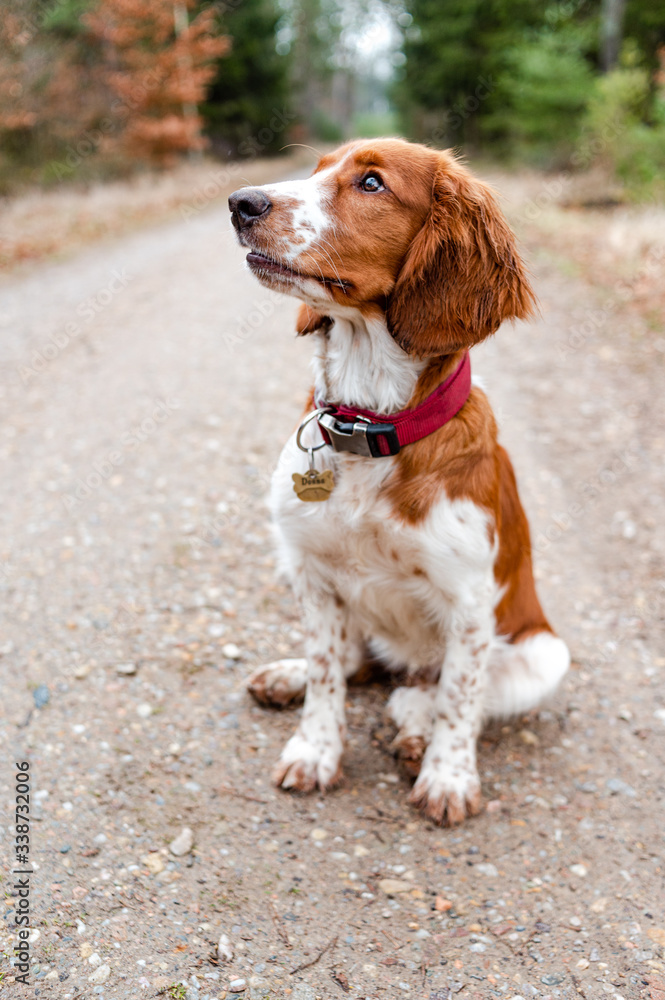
363, 432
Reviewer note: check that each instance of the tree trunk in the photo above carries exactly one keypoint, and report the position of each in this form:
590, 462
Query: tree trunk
611, 27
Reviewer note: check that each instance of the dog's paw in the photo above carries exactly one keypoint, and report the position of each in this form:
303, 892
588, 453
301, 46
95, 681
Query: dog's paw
280, 683
306, 765
410, 751
410, 708
446, 796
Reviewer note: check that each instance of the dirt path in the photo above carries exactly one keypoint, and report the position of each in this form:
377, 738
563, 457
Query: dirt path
135, 457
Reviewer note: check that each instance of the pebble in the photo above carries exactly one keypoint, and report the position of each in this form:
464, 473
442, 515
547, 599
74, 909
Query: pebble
82, 671
183, 843
231, 651
318, 834
442, 905
144, 710
303, 991
618, 787
41, 696
126, 669
487, 868
394, 886
154, 862
528, 737
224, 949
94, 960
237, 986
580, 870
100, 975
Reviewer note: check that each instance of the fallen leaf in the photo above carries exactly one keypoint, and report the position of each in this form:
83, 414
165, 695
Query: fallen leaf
342, 980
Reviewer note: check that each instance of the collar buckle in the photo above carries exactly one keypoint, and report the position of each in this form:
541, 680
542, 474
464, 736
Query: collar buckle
359, 437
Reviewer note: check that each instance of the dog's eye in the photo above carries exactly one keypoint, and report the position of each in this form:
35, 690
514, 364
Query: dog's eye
372, 183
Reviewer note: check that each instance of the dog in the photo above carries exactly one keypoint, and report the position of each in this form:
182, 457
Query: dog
396, 510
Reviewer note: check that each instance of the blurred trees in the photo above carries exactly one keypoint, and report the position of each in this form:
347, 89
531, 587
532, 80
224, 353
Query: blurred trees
250, 85
554, 83
158, 64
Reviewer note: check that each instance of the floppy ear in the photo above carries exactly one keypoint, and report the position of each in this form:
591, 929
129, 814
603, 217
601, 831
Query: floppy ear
309, 321
462, 275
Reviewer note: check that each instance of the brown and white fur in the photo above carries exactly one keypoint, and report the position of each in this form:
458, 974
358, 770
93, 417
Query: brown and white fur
403, 260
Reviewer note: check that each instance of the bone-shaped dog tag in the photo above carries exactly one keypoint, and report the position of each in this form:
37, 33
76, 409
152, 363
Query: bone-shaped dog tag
313, 485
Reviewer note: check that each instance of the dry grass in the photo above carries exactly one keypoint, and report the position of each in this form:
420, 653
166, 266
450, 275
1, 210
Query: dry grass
620, 248
50, 223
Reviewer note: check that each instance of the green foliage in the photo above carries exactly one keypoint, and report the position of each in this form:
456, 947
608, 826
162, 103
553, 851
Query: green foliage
250, 86
65, 16
454, 50
541, 94
624, 128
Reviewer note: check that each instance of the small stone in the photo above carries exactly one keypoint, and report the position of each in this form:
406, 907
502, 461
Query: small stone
100, 975
359, 851
125, 669
442, 905
183, 843
41, 696
394, 886
94, 960
231, 651
303, 991
494, 806
528, 737
82, 671
237, 986
583, 963
86, 950
580, 870
487, 868
575, 922
618, 787
657, 934
154, 862
144, 710
318, 834
224, 949
594, 955
552, 979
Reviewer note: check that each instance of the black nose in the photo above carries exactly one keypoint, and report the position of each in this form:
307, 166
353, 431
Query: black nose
247, 205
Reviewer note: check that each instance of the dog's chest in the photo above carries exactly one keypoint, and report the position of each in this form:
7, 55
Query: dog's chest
399, 580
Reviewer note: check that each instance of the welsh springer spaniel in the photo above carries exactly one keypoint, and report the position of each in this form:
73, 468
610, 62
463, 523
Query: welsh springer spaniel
416, 547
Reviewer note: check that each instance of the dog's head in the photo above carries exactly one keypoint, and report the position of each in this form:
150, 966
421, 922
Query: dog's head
393, 226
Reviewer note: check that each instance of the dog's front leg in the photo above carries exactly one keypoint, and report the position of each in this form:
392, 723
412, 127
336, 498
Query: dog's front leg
312, 757
448, 787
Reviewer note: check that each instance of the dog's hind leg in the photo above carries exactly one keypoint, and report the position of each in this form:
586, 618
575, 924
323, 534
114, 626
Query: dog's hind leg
522, 674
